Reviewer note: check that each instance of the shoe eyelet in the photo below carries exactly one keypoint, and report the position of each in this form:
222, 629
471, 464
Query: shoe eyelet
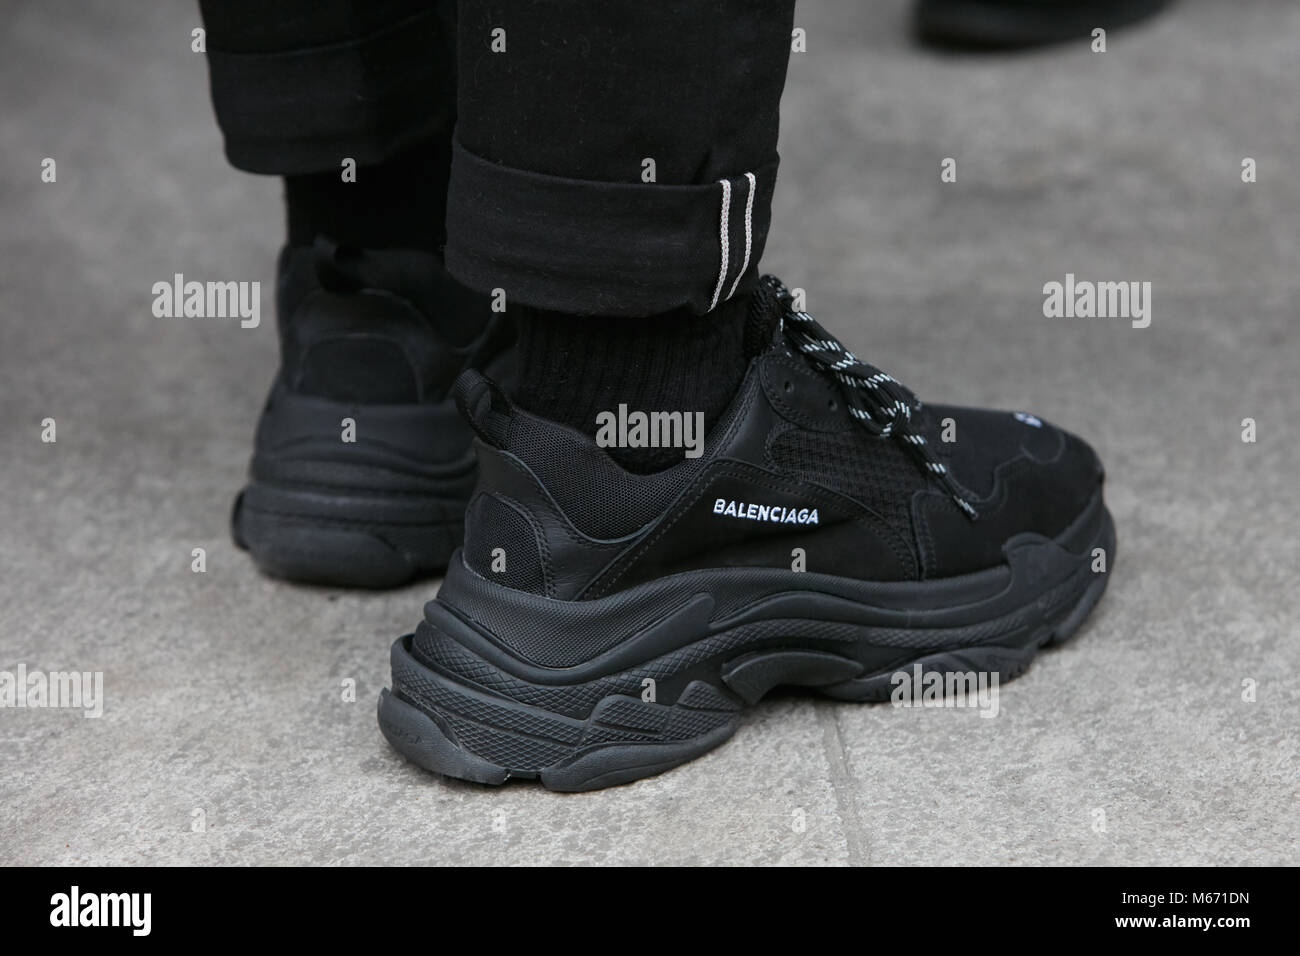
788, 386
833, 405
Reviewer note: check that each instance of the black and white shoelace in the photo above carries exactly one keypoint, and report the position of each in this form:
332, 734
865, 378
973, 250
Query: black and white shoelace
876, 400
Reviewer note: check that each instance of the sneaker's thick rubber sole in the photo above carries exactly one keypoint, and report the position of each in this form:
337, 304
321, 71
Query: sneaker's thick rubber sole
1005, 24
367, 513
497, 684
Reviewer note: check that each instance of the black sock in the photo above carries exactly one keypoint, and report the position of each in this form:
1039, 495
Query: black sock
571, 368
397, 204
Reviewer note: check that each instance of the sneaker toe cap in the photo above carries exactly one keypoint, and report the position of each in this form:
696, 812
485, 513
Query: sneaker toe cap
1027, 475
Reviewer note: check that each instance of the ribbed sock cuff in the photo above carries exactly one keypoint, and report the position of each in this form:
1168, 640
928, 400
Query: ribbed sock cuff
572, 368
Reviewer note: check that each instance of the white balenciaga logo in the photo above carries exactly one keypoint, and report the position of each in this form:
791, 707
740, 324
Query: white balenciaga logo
774, 513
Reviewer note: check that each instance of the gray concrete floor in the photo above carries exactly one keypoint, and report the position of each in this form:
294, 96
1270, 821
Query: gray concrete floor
1132, 745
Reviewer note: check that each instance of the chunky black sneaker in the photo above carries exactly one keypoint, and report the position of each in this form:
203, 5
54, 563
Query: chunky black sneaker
1007, 24
600, 626
362, 465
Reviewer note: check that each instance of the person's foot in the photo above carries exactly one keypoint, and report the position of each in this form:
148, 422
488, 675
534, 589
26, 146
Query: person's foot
1008, 24
600, 626
362, 466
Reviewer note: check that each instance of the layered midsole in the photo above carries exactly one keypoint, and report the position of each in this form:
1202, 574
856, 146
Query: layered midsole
730, 637
555, 642
527, 724
325, 504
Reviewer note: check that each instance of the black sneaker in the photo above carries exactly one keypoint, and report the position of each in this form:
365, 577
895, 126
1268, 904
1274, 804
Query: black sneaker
1008, 24
362, 465
600, 626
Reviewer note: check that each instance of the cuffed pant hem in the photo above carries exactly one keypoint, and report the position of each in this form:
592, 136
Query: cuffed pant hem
605, 248
304, 111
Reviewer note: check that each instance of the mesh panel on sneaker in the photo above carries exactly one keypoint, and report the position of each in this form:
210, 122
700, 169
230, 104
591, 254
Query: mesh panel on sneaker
877, 472
601, 499
492, 523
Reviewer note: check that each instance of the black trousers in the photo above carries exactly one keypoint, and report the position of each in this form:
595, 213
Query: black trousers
608, 157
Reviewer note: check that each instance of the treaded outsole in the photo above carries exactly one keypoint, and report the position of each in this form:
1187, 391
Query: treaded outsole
449, 726
379, 509
345, 549
420, 738
982, 25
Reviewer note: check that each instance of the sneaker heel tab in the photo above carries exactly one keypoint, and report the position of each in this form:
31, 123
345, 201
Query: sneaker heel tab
484, 405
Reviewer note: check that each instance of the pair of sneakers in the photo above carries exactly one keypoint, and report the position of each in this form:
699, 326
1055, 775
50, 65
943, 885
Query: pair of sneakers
599, 625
